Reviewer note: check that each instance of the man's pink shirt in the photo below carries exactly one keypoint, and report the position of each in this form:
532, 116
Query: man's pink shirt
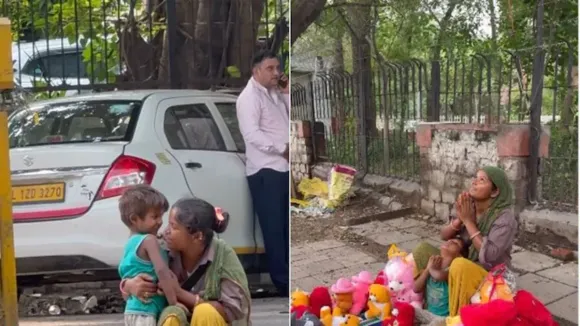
263, 116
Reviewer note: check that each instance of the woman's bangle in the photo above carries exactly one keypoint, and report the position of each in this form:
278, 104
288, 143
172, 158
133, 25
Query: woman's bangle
122, 286
196, 302
474, 235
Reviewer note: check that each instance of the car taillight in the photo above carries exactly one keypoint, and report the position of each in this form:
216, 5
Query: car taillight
125, 172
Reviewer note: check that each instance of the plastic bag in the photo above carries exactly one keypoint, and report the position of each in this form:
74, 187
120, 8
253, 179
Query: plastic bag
313, 188
500, 283
339, 182
318, 193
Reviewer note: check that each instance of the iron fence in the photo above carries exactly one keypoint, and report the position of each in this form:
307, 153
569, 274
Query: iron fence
63, 47
478, 88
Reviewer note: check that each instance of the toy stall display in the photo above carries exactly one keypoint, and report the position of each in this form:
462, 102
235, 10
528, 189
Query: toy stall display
388, 299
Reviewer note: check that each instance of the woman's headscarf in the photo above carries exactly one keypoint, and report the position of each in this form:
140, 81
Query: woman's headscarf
503, 201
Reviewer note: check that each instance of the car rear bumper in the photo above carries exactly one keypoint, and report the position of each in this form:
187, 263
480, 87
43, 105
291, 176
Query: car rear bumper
93, 240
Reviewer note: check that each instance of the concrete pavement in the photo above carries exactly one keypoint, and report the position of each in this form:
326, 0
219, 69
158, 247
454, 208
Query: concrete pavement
265, 312
554, 282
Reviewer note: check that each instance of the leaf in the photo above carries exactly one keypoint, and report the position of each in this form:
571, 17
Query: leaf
233, 71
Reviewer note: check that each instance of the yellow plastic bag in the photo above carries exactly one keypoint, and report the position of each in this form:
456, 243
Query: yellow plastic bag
340, 180
313, 188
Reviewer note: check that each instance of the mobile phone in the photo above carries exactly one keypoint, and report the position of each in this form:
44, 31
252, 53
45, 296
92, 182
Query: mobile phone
282, 83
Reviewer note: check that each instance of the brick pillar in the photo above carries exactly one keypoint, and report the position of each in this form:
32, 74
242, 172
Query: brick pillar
301, 158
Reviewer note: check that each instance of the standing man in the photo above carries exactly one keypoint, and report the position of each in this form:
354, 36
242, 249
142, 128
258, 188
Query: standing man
263, 115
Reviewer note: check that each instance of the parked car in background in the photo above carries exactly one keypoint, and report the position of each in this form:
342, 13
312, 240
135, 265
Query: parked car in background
71, 158
53, 62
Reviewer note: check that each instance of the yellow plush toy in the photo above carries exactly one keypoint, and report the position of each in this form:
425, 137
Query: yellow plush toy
379, 303
328, 318
299, 298
351, 320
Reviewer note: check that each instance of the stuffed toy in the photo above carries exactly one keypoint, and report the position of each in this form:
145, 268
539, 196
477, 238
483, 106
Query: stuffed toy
409, 296
361, 283
531, 311
332, 317
381, 278
299, 303
319, 297
307, 319
399, 275
342, 291
495, 312
379, 305
293, 319
403, 315
351, 320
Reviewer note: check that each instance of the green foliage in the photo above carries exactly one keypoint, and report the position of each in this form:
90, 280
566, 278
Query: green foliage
94, 26
406, 29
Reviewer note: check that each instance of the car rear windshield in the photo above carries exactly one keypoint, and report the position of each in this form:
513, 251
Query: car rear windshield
74, 122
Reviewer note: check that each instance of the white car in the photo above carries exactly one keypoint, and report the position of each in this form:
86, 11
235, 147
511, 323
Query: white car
71, 158
56, 62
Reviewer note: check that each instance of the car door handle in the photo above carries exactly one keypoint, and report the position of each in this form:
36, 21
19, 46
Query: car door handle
193, 165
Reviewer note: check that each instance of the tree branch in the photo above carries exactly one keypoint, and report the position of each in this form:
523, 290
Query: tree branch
431, 12
304, 13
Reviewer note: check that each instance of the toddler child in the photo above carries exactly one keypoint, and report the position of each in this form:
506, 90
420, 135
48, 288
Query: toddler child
142, 208
433, 280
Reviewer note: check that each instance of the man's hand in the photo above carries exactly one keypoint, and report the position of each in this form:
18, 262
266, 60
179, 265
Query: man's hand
286, 82
286, 153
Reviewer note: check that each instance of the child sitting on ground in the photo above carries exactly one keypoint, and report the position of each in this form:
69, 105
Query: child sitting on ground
433, 280
142, 208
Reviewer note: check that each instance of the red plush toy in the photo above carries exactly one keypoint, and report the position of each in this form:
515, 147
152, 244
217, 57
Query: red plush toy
403, 315
300, 310
381, 278
531, 311
319, 297
495, 312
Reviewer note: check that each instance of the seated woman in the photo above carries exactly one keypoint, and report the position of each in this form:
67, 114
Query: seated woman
486, 224
211, 282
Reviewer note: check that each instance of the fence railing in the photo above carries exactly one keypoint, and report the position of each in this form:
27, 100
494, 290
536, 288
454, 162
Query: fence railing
63, 47
481, 89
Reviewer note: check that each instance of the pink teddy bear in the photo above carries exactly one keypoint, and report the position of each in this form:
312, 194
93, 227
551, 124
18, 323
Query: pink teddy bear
361, 283
399, 280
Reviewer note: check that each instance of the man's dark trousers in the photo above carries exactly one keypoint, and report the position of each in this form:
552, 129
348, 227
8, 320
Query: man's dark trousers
270, 197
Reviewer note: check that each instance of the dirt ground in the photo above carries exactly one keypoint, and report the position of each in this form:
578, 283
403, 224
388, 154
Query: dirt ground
306, 229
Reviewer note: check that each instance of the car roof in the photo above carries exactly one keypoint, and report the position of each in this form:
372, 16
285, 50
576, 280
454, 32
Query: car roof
134, 95
23, 51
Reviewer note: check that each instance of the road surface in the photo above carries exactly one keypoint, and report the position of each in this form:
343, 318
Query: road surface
265, 312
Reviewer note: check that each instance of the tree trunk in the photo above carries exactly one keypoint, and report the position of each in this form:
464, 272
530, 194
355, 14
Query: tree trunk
211, 35
360, 19
339, 79
304, 13
443, 28
245, 30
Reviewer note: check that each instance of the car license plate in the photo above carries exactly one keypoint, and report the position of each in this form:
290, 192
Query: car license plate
38, 194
